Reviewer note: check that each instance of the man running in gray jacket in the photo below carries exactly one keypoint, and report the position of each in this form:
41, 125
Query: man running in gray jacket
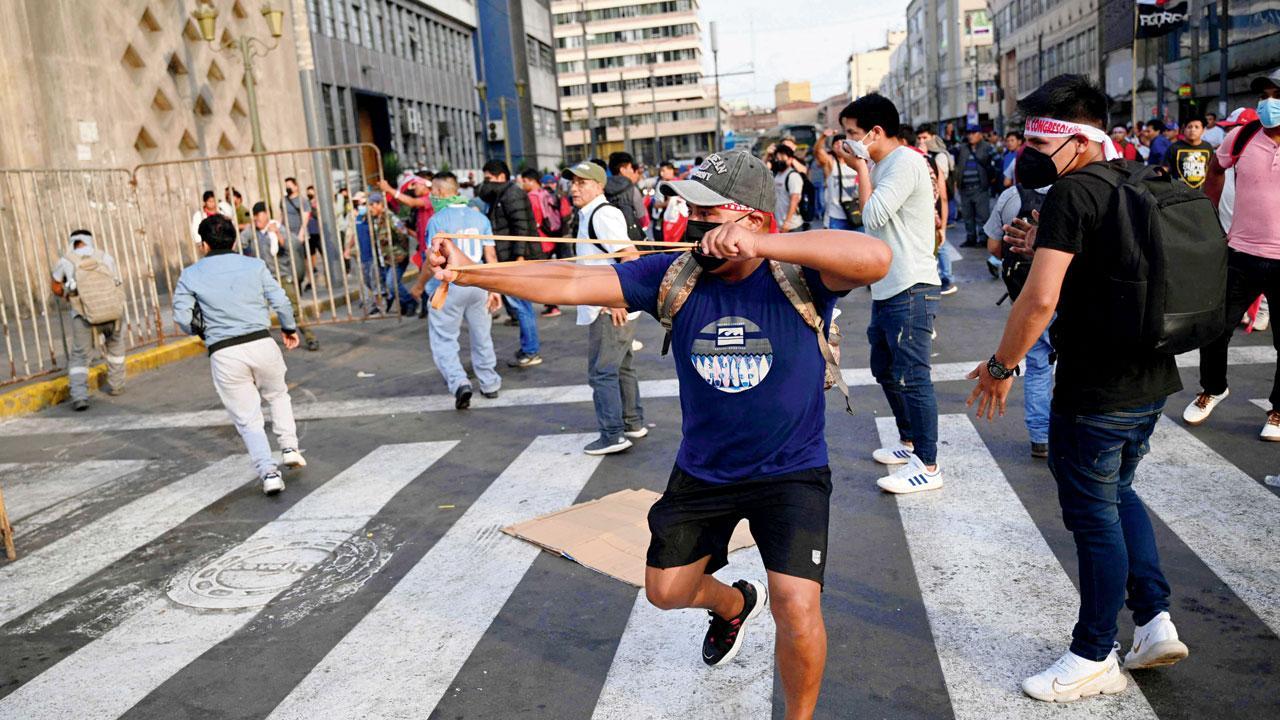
226, 299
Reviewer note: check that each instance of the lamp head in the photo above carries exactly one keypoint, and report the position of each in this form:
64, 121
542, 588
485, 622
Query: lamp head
275, 19
206, 17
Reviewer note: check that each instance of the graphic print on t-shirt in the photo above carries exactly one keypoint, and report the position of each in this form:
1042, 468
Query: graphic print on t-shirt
1192, 165
732, 354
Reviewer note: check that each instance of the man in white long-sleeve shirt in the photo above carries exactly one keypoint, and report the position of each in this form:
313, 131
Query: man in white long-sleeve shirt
897, 207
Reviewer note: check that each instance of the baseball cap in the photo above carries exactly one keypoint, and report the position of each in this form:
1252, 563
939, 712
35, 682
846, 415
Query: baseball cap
1240, 116
377, 198
729, 177
548, 179
587, 170
973, 128
259, 207
1261, 83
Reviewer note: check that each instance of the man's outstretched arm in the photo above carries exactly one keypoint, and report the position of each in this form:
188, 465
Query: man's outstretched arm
844, 259
558, 283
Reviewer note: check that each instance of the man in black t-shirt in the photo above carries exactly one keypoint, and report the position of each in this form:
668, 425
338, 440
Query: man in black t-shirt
1106, 403
1188, 158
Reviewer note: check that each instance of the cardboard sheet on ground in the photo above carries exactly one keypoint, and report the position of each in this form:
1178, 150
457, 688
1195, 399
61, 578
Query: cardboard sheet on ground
609, 535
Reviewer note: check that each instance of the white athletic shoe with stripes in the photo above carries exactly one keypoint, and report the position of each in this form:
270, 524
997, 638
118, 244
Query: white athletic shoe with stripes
1073, 677
893, 455
912, 478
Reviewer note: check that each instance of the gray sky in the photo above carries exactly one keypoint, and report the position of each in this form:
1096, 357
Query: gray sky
794, 40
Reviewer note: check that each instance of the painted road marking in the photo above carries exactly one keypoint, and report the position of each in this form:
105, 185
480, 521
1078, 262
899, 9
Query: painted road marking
30, 488
111, 674
399, 659
38, 576
1227, 519
656, 672
1000, 606
521, 397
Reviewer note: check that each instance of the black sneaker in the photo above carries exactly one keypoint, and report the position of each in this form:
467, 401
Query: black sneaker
1039, 450
79, 405
724, 637
523, 361
313, 345
462, 398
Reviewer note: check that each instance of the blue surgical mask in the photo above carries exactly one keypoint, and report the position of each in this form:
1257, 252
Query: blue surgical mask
1269, 112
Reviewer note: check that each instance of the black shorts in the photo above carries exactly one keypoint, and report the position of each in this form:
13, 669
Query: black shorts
314, 244
788, 516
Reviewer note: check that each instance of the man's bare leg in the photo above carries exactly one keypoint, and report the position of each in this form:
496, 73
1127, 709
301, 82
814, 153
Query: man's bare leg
688, 586
801, 641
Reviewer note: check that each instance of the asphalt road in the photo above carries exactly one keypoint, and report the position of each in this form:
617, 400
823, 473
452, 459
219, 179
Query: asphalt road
400, 599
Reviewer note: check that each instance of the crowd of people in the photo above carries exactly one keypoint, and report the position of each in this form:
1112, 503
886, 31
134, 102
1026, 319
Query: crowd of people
750, 315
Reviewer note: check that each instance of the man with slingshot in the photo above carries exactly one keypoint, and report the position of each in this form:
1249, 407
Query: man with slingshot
750, 303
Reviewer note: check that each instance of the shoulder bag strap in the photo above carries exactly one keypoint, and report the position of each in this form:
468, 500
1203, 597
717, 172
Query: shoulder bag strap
791, 280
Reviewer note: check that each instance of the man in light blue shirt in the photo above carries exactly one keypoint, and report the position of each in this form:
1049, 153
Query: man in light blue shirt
454, 216
226, 299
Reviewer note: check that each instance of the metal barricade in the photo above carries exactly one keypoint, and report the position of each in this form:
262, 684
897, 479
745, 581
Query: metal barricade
38, 211
146, 219
320, 263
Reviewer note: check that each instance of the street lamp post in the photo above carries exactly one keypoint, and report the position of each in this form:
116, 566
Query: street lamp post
206, 17
715, 64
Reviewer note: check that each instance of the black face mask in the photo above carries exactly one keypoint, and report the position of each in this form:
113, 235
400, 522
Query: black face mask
779, 165
693, 233
1035, 169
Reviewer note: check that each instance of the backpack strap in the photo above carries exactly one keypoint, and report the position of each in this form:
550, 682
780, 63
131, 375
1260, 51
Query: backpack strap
1246, 134
791, 280
676, 286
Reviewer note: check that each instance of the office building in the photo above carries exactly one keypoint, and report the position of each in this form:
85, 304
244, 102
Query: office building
630, 76
400, 74
1038, 41
787, 92
519, 95
867, 69
951, 63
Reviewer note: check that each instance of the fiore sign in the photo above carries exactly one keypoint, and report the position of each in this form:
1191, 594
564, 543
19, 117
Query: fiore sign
1159, 17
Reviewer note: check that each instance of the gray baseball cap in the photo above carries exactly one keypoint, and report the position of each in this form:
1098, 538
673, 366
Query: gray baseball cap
726, 177
1260, 83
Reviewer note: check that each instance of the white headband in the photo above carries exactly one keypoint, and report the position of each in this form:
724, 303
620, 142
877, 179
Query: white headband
1050, 128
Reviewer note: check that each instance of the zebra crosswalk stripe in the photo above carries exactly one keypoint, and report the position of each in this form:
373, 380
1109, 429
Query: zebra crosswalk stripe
1226, 517
656, 672
31, 488
40, 575
164, 636
999, 604
426, 626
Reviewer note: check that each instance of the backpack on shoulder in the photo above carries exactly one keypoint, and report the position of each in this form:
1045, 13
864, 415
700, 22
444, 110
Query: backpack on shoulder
808, 209
622, 201
682, 276
1166, 283
97, 297
1014, 268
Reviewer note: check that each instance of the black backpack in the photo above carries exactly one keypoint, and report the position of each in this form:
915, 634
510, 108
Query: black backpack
622, 201
1015, 268
1165, 280
808, 209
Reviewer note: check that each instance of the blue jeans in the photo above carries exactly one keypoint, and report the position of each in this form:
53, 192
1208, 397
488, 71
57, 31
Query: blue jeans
395, 286
1093, 458
901, 344
944, 265
836, 223
614, 387
444, 326
369, 274
1037, 389
529, 344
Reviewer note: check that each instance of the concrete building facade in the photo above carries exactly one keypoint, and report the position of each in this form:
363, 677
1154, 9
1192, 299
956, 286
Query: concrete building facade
868, 69
95, 84
1040, 40
518, 72
400, 74
951, 62
789, 91
630, 74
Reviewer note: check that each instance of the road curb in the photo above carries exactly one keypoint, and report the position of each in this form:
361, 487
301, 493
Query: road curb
38, 396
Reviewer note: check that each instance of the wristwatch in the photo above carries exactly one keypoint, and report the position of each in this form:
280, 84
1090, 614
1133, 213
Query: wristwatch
999, 371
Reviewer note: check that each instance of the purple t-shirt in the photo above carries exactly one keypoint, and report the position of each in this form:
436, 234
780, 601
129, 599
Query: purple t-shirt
750, 372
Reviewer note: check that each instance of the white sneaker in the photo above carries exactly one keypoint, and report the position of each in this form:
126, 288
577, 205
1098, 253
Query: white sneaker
1271, 431
636, 346
272, 483
1202, 407
1072, 677
1155, 644
893, 455
642, 431
292, 457
912, 478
